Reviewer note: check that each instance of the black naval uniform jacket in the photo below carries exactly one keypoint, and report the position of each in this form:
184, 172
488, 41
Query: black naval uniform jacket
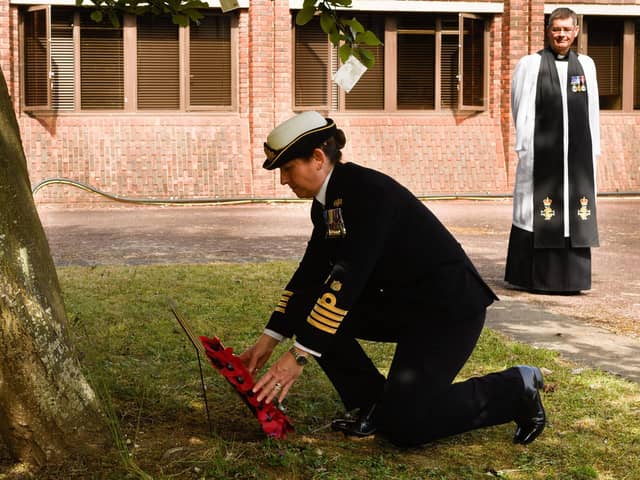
373, 242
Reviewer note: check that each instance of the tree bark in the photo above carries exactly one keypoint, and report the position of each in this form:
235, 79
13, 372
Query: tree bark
48, 411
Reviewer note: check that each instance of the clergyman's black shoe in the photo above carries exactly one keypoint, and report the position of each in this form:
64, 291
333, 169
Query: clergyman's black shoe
361, 426
530, 416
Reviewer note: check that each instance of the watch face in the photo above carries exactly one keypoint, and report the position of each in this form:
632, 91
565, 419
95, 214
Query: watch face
300, 359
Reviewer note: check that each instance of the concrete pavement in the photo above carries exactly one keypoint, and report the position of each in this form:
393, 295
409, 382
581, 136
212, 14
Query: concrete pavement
598, 329
582, 343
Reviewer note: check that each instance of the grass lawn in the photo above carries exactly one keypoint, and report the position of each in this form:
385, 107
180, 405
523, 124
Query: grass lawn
142, 363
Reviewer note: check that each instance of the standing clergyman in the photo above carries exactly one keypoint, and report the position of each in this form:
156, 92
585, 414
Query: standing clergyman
554, 99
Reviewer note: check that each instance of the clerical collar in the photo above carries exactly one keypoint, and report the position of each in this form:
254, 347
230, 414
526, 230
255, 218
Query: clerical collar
321, 196
558, 56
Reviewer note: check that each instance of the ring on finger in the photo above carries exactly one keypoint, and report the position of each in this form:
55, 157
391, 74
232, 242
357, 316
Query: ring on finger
277, 386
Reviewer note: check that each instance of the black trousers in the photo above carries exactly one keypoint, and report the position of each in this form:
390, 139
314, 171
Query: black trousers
419, 402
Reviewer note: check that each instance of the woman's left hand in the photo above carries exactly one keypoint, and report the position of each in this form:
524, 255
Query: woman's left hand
278, 379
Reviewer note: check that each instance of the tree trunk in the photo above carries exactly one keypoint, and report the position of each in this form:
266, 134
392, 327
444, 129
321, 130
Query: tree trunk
48, 411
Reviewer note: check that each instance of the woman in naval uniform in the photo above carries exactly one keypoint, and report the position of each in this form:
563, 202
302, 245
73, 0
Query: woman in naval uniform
380, 266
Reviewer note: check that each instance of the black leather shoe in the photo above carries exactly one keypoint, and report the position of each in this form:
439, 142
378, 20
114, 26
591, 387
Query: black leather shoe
530, 416
362, 426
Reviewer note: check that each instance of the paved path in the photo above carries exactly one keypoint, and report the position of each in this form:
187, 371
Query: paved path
600, 328
582, 343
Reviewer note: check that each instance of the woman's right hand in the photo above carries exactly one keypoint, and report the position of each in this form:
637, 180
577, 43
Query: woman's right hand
255, 357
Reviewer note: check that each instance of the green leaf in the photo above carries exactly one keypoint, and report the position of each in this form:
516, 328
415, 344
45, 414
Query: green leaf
305, 15
327, 23
368, 38
96, 16
196, 4
355, 25
308, 4
180, 19
345, 52
334, 37
365, 56
194, 15
346, 34
115, 20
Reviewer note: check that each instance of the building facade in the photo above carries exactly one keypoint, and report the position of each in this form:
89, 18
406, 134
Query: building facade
146, 109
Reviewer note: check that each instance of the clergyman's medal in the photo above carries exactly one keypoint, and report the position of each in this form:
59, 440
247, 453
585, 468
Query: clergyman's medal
578, 83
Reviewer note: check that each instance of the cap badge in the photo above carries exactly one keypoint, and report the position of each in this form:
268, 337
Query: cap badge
269, 152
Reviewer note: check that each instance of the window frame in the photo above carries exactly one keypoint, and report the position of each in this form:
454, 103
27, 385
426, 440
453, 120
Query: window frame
390, 86
134, 25
436, 32
23, 65
186, 72
368, 19
629, 47
485, 63
331, 55
78, 26
130, 58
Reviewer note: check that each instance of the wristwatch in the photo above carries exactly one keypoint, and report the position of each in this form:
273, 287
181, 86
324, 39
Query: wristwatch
300, 359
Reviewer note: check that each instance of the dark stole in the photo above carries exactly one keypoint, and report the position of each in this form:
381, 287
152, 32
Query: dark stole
549, 158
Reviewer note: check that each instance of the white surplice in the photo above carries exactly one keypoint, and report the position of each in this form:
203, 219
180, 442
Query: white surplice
523, 108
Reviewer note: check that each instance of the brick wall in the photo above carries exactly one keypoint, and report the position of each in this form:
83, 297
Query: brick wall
7, 42
220, 155
5, 38
431, 155
619, 164
141, 156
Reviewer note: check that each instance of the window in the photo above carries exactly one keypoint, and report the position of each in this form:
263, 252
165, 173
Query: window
604, 46
158, 63
312, 62
473, 38
636, 75
614, 45
36, 56
147, 63
368, 93
439, 63
101, 65
416, 53
210, 62
62, 60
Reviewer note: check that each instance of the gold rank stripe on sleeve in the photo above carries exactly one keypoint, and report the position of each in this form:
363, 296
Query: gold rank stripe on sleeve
325, 315
284, 300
